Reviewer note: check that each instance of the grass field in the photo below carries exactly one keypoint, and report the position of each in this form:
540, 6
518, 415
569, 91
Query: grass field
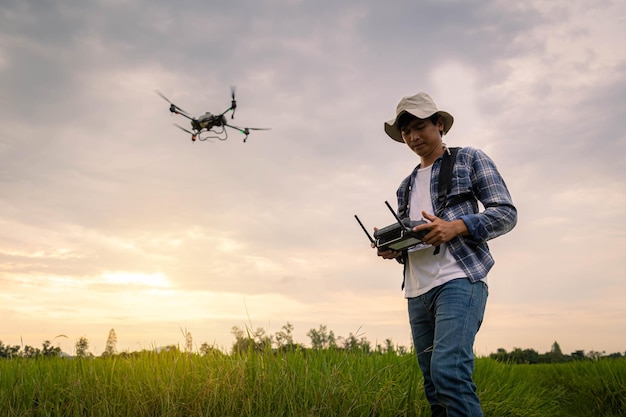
299, 383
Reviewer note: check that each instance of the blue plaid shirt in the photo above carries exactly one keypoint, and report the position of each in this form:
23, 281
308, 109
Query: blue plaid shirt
474, 178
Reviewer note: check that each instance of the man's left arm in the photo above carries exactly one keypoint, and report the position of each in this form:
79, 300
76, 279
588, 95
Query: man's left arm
499, 215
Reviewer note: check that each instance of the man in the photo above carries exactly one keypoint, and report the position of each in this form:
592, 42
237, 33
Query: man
445, 277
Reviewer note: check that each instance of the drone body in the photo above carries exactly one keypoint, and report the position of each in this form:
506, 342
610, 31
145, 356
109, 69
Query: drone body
208, 121
214, 124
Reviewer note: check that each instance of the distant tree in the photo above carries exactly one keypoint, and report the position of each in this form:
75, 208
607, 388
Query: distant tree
595, 355
50, 351
500, 355
171, 349
555, 355
530, 356
206, 350
257, 341
262, 341
318, 337
517, 355
390, 348
284, 337
322, 338
111, 345
242, 343
8, 352
30, 352
350, 343
82, 348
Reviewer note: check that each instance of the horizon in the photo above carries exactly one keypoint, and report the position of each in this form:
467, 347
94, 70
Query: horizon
339, 339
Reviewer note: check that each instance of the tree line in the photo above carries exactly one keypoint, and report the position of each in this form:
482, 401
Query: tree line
47, 350
555, 355
248, 340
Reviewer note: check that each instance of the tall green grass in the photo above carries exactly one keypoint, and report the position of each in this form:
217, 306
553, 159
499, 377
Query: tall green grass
300, 383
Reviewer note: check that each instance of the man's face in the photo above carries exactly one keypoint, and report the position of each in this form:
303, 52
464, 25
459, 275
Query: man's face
422, 136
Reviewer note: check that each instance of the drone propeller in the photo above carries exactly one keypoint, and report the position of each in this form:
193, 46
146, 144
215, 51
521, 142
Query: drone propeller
246, 130
173, 107
194, 136
233, 103
183, 129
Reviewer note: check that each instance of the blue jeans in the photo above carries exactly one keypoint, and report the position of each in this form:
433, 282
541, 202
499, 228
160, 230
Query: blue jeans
444, 323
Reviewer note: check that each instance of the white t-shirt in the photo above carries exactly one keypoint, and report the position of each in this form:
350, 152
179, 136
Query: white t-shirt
425, 270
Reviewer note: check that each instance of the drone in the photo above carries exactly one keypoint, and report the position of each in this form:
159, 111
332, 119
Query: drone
215, 124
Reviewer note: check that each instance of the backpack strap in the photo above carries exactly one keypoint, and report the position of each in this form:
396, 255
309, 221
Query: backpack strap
403, 211
445, 177
445, 182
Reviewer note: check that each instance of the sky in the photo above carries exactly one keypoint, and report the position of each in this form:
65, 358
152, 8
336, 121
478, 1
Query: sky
111, 218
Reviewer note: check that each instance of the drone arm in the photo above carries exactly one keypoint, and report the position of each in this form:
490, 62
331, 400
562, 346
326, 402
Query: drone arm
231, 108
244, 131
182, 114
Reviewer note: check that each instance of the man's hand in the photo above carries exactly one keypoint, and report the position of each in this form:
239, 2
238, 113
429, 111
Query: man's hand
440, 231
386, 254
389, 254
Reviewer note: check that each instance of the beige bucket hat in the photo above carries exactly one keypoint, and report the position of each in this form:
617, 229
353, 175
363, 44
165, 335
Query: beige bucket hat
420, 106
